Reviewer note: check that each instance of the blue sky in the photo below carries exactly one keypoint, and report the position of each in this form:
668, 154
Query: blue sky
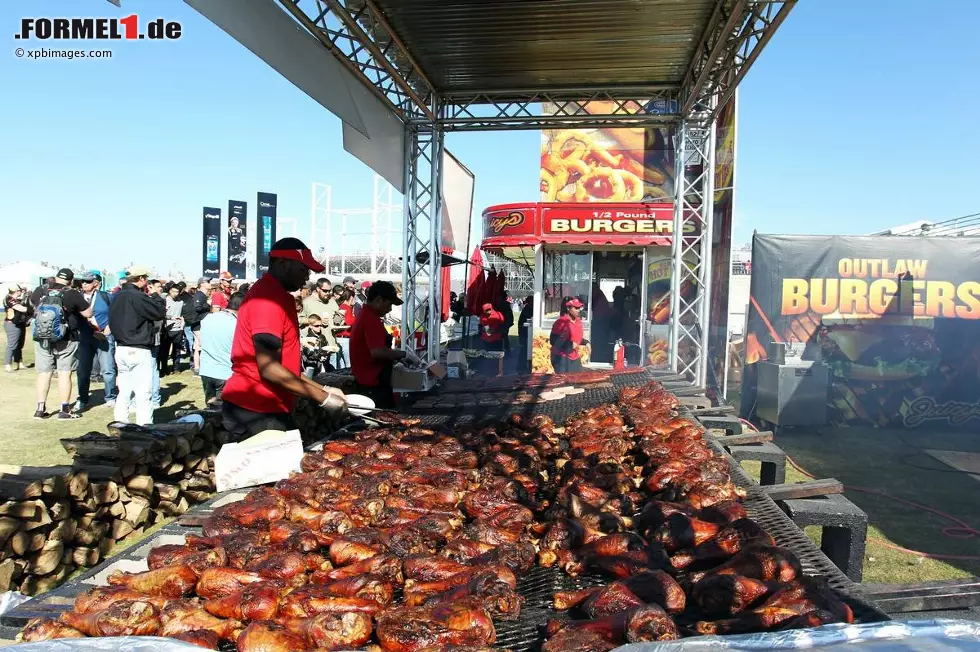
859, 115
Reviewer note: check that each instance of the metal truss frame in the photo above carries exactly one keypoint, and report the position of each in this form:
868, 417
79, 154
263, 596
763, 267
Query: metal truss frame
358, 34
691, 279
491, 111
737, 32
421, 286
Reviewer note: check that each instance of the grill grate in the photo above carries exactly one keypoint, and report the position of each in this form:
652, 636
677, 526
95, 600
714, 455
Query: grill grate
538, 585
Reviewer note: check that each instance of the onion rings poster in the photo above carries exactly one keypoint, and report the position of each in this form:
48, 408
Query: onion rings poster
895, 319
606, 165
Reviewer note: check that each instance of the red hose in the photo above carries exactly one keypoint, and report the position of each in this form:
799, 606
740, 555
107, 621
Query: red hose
961, 530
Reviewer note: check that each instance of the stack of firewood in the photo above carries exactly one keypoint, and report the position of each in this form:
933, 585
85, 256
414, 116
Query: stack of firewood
54, 520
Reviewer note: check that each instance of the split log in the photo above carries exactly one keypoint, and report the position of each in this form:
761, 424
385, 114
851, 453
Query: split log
182, 448
197, 496
19, 543
117, 509
48, 559
120, 529
63, 530
106, 492
200, 481
59, 510
40, 517
20, 509
173, 508
137, 510
33, 585
91, 534
78, 482
95, 470
140, 484
86, 557
7, 569
14, 487
167, 492
8, 526
173, 468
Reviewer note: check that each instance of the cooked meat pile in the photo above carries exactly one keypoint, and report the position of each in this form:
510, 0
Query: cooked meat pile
451, 520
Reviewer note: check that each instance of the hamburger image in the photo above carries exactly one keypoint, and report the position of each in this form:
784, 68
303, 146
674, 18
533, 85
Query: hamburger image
879, 348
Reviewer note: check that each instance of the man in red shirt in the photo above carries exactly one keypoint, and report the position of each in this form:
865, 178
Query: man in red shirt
219, 297
265, 354
566, 336
371, 356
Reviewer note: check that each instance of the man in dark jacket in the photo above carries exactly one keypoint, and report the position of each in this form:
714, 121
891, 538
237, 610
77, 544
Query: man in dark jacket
132, 318
196, 308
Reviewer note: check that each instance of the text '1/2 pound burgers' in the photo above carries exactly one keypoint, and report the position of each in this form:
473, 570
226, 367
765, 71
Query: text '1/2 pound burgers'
879, 348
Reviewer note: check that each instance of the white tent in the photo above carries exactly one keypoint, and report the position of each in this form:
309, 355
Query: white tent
25, 273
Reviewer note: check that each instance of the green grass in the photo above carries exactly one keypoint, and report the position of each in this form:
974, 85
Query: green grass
879, 460
29, 442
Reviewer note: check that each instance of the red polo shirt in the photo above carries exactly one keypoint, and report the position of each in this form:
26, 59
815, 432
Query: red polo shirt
367, 333
573, 331
268, 309
219, 299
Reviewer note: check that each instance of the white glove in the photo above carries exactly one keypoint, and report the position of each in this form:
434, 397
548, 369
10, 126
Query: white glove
334, 390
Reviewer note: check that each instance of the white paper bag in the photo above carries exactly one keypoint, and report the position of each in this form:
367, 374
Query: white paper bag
269, 456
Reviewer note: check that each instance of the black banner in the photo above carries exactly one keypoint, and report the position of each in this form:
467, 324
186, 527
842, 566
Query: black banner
895, 319
267, 230
211, 265
237, 247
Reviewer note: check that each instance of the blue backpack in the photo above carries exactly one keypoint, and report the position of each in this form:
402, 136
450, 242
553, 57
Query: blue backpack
50, 322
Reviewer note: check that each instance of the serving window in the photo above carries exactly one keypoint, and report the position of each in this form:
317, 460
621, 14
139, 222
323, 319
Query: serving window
566, 274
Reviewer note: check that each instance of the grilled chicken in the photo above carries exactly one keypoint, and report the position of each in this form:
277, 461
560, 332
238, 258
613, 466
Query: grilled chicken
45, 629
182, 616
264, 636
166, 582
332, 631
408, 629
126, 618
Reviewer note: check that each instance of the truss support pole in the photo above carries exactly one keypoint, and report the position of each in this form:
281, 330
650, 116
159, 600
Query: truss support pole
693, 210
422, 255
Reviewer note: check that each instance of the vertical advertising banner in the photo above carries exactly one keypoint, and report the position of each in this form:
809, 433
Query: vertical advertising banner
606, 165
237, 242
211, 265
721, 241
895, 320
267, 230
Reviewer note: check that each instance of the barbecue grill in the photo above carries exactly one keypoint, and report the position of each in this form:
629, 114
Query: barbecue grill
537, 586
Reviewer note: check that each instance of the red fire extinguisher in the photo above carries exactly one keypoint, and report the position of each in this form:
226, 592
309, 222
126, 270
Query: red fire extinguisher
619, 356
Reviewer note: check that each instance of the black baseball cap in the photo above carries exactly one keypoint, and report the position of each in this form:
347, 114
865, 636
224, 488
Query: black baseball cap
65, 274
383, 290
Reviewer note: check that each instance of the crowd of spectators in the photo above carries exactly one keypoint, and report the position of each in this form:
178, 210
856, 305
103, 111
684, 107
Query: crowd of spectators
144, 328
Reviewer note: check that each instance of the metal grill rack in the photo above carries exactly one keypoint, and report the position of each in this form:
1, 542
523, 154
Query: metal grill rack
539, 585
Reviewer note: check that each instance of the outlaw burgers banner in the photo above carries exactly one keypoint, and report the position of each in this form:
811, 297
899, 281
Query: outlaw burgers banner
895, 319
211, 265
267, 230
237, 243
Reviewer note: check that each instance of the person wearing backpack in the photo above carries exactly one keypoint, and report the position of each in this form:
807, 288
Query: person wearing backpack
59, 313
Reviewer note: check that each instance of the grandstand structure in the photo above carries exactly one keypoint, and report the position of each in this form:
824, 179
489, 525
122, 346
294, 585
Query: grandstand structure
365, 243
967, 225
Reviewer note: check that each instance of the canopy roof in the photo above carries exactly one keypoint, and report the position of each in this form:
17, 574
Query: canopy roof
432, 60
476, 45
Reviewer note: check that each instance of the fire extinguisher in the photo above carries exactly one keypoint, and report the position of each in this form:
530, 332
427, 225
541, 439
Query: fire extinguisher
619, 356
